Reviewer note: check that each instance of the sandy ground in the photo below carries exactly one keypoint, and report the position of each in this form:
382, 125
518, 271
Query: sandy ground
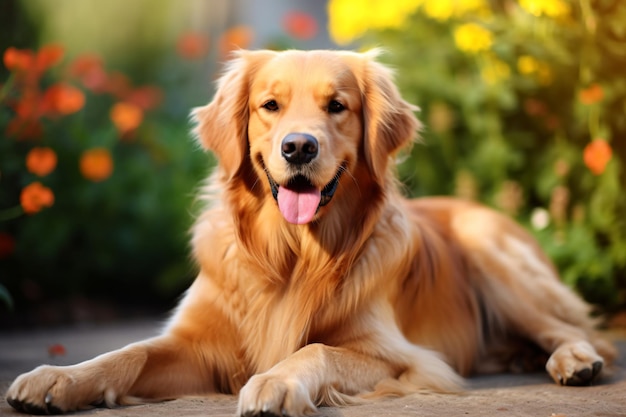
498, 395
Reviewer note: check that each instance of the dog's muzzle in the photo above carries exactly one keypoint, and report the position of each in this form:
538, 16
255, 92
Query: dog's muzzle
299, 200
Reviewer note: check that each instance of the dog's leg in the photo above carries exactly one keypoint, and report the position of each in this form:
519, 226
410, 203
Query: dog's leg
292, 386
521, 287
159, 368
577, 355
322, 374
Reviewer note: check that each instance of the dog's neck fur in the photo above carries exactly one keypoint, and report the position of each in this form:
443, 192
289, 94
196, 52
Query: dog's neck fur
286, 253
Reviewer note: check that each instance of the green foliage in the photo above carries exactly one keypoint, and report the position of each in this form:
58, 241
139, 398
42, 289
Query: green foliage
509, 125
117, 233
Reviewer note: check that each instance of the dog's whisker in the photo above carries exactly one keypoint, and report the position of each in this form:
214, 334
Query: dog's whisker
256, 181
353, 178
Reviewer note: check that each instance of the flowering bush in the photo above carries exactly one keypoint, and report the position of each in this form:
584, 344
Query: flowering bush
91, 180
524, 110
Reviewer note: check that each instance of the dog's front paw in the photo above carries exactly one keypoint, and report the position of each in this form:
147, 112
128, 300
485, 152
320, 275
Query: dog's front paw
48, 390
275, 396
575, 363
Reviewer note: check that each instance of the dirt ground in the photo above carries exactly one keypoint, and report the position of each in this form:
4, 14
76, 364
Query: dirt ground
498, 395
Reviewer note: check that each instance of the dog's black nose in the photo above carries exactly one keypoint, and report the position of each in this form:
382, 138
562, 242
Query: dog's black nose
299, 148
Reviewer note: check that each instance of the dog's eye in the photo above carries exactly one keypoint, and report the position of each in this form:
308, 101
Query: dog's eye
271, 105
335, 107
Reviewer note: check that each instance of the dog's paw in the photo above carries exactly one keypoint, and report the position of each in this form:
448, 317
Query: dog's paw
270, 395
575, 363
48, 390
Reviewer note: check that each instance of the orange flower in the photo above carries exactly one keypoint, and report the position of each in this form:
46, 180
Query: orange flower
18, 59
41, 161
126, 116
147, 97
597, 155
56, 350
48, 56
300, 25
235, 38
591, 95
89, 70
32, 63
35, 197
118, 85
534, 107
192, 45
96, 164
63, 99
84, 64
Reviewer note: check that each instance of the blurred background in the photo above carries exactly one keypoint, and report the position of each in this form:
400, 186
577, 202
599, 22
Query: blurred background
524, 104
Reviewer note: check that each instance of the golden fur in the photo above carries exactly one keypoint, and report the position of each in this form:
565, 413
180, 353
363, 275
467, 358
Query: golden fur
374, 295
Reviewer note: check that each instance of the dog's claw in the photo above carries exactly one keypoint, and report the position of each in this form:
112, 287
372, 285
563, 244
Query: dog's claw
26, 407
15, 403
597, 367
584, 376
30, 408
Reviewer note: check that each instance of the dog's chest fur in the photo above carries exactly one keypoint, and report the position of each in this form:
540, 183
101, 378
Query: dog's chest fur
288, 288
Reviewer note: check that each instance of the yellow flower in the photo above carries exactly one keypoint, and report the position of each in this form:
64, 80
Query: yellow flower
495, 70
527, 64
550, 8
472, 38
345, 21
349, 19
445, 9
439, 10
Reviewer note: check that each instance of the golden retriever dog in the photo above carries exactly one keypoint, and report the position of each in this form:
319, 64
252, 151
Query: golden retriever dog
319, 283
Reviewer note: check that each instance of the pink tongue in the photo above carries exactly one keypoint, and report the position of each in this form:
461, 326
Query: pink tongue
298, 207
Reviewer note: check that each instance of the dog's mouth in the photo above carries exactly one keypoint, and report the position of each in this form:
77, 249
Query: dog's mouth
299, 200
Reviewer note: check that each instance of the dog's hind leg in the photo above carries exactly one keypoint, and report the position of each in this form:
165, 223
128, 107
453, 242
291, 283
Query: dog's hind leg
523, 296
527, 292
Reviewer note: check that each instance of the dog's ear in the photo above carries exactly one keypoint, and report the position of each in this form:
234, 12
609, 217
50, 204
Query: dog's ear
222, 125
390, 122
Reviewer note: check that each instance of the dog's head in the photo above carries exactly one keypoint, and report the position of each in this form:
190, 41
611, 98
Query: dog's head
305, 121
